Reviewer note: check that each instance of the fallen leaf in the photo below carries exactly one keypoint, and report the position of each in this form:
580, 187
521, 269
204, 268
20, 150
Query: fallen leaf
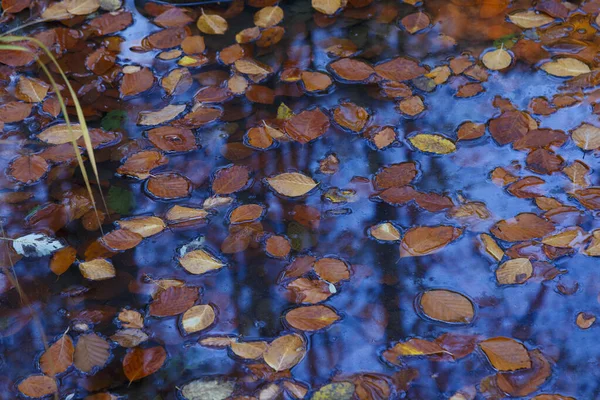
586, 136
328, 7
140, 363
525, 226
38, 386
285, 352
497, 60
58, 357
506, 354
424, 240
565, 67
268, 16
230, 179
291, 184
97, 270
433, 143
311, 318
307, 125
212, 24
447, 306
385, 232
91, 352
198, 318
173, 301
530, 19
515, 271
200, 262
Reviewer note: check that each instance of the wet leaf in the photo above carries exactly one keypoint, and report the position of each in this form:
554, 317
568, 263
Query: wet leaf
505, 354
91, 352
230, 179
433, 143
291, 184
351, 116
285, 352
129, 338
143, 226
491, 247
328, 7
585, 320
207, 389
212, 24
198, 318
249, 350
349, 69
309, 291
97, 270
58, 357
586, 136
415, 22
424, 240
169, 186
307, 125
81, 7
413, 347
385, 232
497, 60
565, 67
36, 245
399, 69
447, 306
31, 90
200, 262
131, 319
268, 16
514, 271
149, 118
28, 169
140, 363
395, 175
121, 239
525, 226
38, 386
62, 259
173, 301
530, 19
332, 270
336, 390
311, 318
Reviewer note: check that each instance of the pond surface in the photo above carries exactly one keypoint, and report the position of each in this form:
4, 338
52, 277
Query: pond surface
424, 224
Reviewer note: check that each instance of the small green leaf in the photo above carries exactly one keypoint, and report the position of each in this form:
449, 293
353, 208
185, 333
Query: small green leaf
507, 41
114, 120
284, 112
120, 200
335, 391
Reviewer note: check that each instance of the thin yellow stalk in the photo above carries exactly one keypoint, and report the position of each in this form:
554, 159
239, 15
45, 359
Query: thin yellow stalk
80, 116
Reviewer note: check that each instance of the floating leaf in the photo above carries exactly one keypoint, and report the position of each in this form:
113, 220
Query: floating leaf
58, 357
200, 262
433, 143
140, 363
328, 7
506, 354
424, 240
268, 16
198, 318
332, 270
230, 179
311, 318
28, 169
36, 245
129, 337
285, 352
202, 389
212, 24
565, 66
447, 306
249, 350
97, 270
525, 226
586, 136
291, 184
307, 125
149, 118
91, 352
143, 226
38, 386
385, 232
497, 59
530, 19
173, 301
514, 271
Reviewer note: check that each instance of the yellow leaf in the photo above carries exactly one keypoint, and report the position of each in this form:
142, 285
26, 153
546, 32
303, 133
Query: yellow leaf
530, 19
97, 270
328, 7
82, 7
385, 231
59, 134
212, 24
199, 262
268, 16
433, 143
514, 271
198, 318
497, 59
586, 136
565, 67
292, 184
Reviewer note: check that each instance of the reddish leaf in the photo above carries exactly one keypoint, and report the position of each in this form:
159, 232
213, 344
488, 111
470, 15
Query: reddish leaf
525, 226
230, 179
307, 125
140, 363
399, 69
174, 301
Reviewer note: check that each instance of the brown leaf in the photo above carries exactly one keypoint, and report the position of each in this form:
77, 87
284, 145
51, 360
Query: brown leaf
278, 246
98, 269
38, 386
509, 127
399, 69
200, 262
170, 139
424, 240
230, 179
525, 226
539, 138
311, 318
306, 126
350, 116
62, 260
470, 131
129, 337
246, 213
143, 226
351, 70
109, 23
506, 354
140, 363
31, 90
309, 291
589, 198
285, 352
332, 270
91, 352
249, 350
291, 184
174, 301
315, 81
544, 161
168, 186
28, 169
447, 306
135, 80
58, 357
415, 22
515, 271
121, 240
525, 382
140, 164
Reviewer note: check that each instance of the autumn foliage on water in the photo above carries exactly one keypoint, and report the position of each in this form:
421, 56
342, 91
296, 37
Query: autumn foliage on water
311, 199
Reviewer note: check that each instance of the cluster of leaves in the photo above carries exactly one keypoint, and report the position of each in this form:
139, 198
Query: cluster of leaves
244, 81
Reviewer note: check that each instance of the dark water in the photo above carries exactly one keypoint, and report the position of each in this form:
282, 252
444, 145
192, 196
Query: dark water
377, 303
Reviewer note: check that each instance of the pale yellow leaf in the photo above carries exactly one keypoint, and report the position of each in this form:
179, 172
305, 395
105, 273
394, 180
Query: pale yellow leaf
565, 67
497, 59
586, 136
530, 19
514, 271
212, 24
433, 143
198, 318
59, 134
97, 270
200, 261
292, 184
